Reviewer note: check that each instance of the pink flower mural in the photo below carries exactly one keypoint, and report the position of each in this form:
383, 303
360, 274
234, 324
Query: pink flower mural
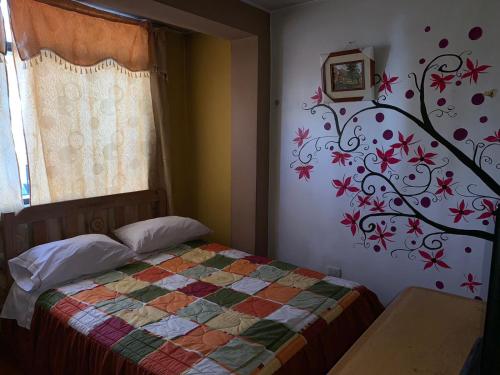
393, 182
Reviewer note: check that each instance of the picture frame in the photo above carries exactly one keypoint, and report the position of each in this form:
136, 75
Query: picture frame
349, 75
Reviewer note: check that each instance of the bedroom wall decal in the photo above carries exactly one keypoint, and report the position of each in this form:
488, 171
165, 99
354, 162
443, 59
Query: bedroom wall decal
405, 187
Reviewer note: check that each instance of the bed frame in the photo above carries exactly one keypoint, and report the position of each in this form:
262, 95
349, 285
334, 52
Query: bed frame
44, 223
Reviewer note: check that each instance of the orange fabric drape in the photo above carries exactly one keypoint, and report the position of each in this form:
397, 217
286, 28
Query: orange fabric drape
79, 34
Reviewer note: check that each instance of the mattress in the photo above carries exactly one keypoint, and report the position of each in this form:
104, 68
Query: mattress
197, 308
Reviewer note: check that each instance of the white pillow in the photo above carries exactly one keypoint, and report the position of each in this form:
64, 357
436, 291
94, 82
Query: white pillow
155, 234
45, 266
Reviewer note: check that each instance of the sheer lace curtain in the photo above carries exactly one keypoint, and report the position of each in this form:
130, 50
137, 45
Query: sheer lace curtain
86, 105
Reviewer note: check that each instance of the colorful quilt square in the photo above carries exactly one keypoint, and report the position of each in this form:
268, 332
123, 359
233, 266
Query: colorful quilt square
207, 366
196, 243
203, 340
278, 293
226, 297
307, 301
329, 290
119, 303
174, 282
84, 321
109, 277
137, 344
257, 259
198, 256
148, 293
221, 278
170, 360
200, 311
268, 273
257, 307
152, 274
158, 258
176, 265
236, 353
127, 285
259, 361
76, 287
110, 331
93, 296
232, 322
214, 247
268, 333
241, 267
233, 253
141, 316
309, 273
294, 318
66, 308
171, 327
199, 271
134, 267
199, 289
295, 280
218, 261
172, 302
283, 265
179, 250
249, 285
341, 282
49, 299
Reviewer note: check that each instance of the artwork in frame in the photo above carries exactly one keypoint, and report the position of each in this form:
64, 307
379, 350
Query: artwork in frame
349, 75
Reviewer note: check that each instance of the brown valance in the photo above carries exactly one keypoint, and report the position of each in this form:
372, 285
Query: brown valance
79, 34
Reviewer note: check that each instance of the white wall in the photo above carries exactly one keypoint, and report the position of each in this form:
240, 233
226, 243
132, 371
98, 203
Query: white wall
305, 215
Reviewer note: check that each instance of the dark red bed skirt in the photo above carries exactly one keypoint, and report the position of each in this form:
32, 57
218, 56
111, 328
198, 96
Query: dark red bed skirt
52, 347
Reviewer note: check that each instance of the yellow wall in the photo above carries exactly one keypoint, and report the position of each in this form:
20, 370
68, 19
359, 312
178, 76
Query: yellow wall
208, 92
200, 129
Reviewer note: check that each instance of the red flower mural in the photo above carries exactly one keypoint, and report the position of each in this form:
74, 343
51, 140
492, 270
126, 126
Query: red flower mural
302, 135
471, 283
423, 157
490, 208
343, 186
444, 186
378, 206
494, 138
474, 70
340, 157
440, 81
364, 201
387, 83
414, 225
382, 236
404, 143
352, 221
460, 212
318, 96
386, 158
431, 259
304, 171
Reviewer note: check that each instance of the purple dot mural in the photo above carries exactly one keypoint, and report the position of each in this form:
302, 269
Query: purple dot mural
407, 187
477, 99
443, 43
475, 33
460, 134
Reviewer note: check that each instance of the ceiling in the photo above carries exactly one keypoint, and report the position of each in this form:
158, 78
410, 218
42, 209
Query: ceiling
272, 5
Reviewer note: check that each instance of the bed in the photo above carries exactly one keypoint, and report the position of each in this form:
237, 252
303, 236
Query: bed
194, 308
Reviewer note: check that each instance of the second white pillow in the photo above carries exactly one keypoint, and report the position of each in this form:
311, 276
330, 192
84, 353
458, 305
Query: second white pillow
156, 234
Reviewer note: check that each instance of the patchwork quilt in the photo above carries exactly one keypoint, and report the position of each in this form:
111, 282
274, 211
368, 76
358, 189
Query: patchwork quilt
202, 308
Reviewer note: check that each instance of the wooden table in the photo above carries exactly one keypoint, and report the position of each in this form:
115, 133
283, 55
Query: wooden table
421, 332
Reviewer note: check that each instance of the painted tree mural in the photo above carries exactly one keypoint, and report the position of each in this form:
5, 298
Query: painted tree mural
393, 180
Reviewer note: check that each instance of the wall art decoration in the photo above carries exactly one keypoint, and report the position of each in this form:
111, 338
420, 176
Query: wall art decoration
348, 75
405, 187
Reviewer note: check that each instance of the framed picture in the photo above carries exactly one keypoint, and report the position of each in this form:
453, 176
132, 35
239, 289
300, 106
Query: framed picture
349, 75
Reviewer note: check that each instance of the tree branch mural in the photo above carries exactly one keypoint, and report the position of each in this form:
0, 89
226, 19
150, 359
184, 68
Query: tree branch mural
394, 185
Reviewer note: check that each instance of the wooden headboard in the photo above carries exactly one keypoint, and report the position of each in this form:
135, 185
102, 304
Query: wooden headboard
36, 225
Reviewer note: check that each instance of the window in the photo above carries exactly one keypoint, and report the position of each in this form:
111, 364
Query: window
15, 110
